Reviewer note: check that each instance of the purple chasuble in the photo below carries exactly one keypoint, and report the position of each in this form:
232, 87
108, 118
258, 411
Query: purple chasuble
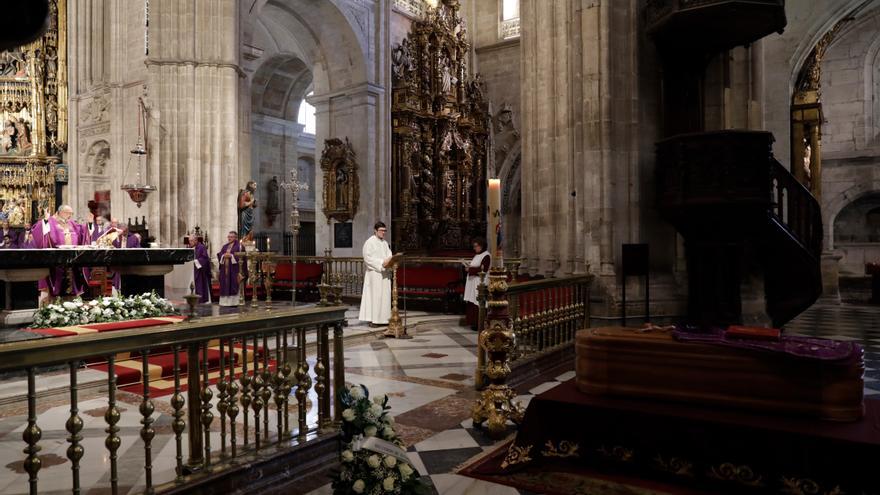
229, 269
202, 273
59, 233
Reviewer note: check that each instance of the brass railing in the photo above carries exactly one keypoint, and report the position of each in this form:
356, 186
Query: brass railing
262, 358
347, 272
547, 313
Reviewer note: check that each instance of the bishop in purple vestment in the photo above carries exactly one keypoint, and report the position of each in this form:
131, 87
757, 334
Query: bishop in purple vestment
229, 270
52, 232
201, 269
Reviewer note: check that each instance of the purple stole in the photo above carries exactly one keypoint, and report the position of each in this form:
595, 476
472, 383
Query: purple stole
228, 269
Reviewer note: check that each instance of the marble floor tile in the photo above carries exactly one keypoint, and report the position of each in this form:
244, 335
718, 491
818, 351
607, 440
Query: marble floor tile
449, 439
453, 484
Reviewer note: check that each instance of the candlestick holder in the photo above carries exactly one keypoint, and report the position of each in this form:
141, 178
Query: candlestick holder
191, 300
325, 290
268, 278
496, 403
254, 274
336, 288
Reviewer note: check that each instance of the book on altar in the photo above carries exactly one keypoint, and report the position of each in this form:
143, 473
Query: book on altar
106, 239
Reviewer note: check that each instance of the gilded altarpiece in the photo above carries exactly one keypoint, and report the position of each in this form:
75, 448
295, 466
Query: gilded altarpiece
440, 129
33, 119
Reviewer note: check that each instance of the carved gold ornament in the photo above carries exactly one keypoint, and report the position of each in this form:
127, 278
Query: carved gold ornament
516, 455
341, 188
565, 449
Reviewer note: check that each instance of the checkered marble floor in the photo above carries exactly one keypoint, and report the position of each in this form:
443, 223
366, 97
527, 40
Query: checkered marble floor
429, 380
846, 322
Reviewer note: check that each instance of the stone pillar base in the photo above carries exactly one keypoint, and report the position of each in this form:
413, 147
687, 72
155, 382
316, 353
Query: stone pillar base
830, 277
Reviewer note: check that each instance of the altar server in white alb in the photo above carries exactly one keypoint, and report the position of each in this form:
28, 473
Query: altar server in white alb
376, 298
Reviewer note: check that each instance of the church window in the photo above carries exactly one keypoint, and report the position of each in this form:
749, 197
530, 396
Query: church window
306, 116
509, 19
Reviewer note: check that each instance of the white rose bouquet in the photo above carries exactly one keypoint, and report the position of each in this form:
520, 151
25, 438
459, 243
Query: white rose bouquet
101, 310
373, 459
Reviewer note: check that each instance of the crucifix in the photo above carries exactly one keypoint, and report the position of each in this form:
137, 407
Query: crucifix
293, 186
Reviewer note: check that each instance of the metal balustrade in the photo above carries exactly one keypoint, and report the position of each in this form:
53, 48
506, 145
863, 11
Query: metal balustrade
250, 373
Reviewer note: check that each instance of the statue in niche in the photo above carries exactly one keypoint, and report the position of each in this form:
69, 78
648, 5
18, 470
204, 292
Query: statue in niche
341, 188
448, 80
808, 152
401, 60
272, 209
247, 203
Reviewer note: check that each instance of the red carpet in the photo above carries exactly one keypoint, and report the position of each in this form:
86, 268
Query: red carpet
160, 363
160, 367
106, 327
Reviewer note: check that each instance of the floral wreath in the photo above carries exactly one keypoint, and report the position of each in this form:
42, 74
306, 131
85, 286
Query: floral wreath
373, 459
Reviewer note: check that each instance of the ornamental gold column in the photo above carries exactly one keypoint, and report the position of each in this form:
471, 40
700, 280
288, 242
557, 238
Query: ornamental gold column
496, 404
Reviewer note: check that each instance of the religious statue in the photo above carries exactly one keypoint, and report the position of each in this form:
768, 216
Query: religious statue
401, 59
272, 209
16, 213
247, 203
341, 188
808, 152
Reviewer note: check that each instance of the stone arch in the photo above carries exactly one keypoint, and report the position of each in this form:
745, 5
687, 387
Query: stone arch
823, 21
835, 205
97, 158
326, 36
279, 86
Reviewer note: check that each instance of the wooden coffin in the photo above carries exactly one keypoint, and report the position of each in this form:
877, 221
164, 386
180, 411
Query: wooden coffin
652, 364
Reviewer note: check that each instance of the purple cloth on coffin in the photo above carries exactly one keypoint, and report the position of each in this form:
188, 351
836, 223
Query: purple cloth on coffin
229, 270
202, 276
831, 351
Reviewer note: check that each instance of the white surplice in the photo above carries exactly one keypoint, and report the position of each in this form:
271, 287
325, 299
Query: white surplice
376, 298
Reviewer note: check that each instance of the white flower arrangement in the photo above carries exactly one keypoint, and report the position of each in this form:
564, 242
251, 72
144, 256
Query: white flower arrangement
373, 460
103, 309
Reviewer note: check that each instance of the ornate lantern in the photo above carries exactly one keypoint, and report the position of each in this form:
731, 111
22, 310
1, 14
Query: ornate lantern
139, 191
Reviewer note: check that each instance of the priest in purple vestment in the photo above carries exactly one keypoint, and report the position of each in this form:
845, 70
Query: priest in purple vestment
229, 270
96, 227
201, 269
52, 232
124, 240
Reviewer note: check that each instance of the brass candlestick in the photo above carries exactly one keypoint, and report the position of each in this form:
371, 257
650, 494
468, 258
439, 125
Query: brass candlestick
269, 275
396, 328
496, 404
254, 278
191, 300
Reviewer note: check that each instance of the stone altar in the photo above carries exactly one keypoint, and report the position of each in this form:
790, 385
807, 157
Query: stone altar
142, 269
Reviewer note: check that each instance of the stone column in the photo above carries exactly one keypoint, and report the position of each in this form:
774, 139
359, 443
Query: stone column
194, 129
579, 146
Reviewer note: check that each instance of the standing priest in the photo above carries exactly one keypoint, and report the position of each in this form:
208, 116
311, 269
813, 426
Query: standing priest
376, 298
57, 231
229, 270
201, 269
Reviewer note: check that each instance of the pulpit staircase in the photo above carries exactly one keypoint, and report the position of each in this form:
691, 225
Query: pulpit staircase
739, 210
736, 205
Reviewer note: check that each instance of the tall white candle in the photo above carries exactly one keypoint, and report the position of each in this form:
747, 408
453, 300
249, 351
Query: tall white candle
493, 200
